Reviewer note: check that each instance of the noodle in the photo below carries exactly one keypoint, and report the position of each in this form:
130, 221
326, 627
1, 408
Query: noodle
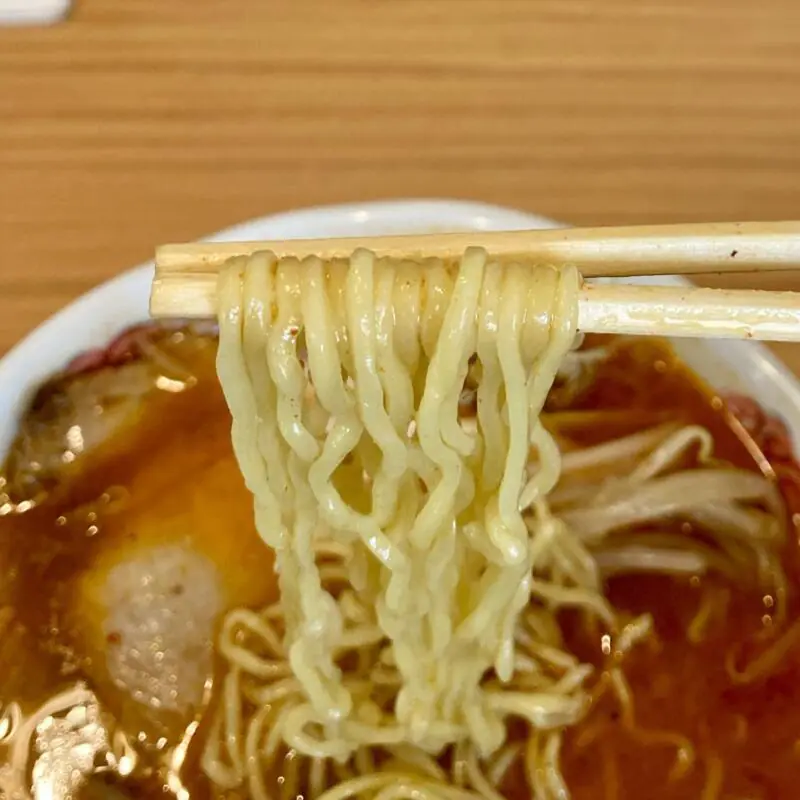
422, 558
765, 663
359, 452
714, 779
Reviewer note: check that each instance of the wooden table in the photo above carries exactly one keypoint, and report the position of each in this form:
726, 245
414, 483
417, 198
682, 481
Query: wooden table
142, 121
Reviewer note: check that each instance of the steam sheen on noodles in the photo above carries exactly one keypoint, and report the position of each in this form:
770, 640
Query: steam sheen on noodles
420, 562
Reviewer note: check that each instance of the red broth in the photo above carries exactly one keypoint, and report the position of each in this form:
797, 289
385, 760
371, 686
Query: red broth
746, 737
164, 476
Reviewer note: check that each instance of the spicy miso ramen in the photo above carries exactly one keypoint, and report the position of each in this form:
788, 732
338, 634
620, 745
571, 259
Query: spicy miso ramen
449, 550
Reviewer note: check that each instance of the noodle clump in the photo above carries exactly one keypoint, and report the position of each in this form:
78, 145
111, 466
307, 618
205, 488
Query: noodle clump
419, 563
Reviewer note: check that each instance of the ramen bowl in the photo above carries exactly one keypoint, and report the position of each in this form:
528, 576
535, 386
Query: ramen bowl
163, 506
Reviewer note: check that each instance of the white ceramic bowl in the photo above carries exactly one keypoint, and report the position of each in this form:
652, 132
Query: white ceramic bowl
92, 320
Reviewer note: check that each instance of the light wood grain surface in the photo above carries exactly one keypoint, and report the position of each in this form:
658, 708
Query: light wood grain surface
146, 121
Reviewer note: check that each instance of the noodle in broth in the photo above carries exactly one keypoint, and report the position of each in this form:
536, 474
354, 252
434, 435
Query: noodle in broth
417, 650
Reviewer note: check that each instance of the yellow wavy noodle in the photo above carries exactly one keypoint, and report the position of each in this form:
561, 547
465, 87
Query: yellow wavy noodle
390, 619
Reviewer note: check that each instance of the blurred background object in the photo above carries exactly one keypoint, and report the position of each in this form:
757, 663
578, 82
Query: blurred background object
145, 121
32, 12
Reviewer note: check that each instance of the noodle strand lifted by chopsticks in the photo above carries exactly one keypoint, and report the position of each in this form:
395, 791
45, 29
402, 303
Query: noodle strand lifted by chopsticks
359, 444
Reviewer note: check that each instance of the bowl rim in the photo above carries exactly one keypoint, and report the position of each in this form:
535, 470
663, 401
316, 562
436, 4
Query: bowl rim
122, 301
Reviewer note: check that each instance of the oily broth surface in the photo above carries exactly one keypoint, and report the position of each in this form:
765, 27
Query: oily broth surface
745, 737
148, 522
120, 575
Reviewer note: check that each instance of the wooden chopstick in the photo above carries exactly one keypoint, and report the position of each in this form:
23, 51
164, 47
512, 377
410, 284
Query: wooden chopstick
603, 308
625, 251
688, 311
